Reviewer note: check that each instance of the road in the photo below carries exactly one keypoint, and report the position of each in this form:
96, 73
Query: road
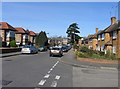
40, 70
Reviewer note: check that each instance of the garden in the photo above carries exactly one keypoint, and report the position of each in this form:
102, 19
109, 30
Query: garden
84, 52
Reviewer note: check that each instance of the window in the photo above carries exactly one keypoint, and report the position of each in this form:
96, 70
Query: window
7, 34
103, 36
25, 36
98, 37
12, 34
114, 34
102, 48
98, 48
114, 49
90, 39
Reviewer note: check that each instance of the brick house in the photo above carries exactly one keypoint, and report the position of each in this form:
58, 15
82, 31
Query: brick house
90, 40
109, 38
7, 33
32, 36
104, 40
21, 36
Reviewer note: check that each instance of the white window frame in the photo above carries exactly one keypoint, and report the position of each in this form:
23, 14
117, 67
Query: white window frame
98, 48
114, 49
103, 36
98, 37
102, 48
114, 33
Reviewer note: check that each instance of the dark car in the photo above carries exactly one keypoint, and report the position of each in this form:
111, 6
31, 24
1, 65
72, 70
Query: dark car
42, 48
64, 49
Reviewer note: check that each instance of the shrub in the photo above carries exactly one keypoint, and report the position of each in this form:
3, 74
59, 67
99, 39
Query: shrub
75, 46
82, 55
84, 49
13, 43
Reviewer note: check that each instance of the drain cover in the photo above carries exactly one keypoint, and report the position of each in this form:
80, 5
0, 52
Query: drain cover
5, 82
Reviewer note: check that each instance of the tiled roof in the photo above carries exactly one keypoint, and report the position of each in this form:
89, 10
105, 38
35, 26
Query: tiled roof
31, 33
112, 27
5, 25
99, 32
19, 30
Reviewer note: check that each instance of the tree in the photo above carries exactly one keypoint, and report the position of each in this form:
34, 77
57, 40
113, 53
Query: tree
72, 32
41, 39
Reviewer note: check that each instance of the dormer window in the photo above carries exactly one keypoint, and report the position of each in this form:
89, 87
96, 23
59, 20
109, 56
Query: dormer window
103, 36
114, 34
98, 37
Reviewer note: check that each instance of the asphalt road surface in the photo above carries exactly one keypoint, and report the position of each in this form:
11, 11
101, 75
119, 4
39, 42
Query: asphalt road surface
40, 70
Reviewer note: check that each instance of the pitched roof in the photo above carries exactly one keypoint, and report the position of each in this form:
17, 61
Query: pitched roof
112, 27
5, 25
20, 30
31, 33
99, 32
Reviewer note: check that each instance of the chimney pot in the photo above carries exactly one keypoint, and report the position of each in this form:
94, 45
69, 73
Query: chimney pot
113, 20
96, 30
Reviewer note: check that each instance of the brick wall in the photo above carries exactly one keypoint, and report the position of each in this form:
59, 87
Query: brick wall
18, 38
2, 34
118, 44
94, 42
107, 37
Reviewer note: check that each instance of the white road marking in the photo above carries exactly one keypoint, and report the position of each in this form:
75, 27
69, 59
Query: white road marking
46, 76
108, 68
42, 82
57, 77
49, 72
51, 69
54, 84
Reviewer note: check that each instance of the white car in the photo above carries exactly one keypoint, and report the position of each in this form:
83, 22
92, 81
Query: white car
29, 49
56, 51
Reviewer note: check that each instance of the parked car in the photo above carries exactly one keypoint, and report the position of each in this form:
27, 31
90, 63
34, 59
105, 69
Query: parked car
64, 49
29, 49
56, 51
42, 48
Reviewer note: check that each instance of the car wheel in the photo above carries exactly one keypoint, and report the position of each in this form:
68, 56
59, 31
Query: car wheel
50, 55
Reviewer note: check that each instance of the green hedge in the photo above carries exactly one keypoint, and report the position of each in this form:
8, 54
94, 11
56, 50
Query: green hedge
13, 43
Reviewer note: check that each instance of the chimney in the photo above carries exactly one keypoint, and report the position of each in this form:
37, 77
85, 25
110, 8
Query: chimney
96, 30
113, 20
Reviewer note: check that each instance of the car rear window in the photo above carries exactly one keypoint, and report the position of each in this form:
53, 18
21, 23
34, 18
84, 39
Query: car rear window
55, 48
26, 46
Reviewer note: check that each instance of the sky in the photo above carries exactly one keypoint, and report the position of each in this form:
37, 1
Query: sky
55, 17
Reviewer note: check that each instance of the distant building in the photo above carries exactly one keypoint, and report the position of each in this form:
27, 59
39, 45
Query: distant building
65, 41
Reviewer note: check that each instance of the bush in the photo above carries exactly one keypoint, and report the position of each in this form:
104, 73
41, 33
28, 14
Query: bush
75, 46
85, 49
82, 55
13, 43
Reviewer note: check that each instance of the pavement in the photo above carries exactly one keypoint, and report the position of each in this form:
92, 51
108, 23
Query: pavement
10, 54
